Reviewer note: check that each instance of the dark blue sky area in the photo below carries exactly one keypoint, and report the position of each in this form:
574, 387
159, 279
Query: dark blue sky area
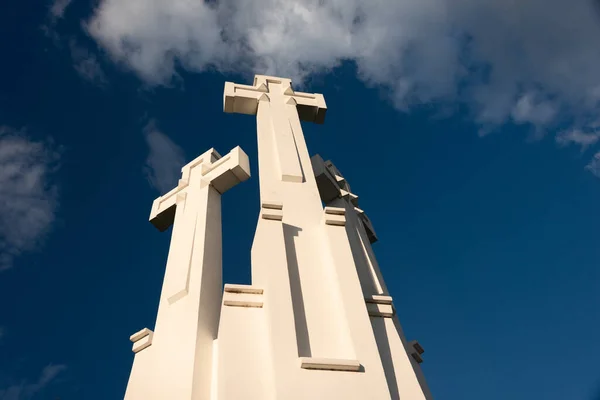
489, 245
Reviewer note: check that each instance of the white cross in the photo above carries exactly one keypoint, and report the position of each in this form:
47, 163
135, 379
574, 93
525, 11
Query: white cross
332, 185
186, 208
278, 109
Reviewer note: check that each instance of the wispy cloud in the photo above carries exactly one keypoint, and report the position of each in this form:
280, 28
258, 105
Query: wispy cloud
594, 165
26, 389
86, 64
530, 109
58, 8
28, 198
85, 61
578, 137
164, 161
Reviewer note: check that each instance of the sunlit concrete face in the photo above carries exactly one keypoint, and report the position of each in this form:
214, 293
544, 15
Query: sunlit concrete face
317, 320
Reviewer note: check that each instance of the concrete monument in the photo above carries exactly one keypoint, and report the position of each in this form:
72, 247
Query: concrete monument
317, 321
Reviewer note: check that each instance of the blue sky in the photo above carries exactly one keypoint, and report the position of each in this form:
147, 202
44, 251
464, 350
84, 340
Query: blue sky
470, 133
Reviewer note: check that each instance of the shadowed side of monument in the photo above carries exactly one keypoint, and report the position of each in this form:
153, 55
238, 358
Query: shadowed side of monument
400, 358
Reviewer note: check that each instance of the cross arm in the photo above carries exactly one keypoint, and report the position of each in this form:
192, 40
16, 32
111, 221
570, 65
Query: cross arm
221, 172
162, 214
228, 171
332, 185
329, 189
242, 99
311, 106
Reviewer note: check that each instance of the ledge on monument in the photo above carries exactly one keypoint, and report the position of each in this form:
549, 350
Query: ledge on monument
330, 364
272, 214
141, 340
380, 310
415, 350
233, 288
335, 216
242, 296
379, 299
272, 210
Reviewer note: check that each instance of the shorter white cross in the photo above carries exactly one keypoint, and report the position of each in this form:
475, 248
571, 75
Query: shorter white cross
332, 185
186, 208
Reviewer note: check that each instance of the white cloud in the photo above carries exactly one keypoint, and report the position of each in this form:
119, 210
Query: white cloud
594, 165
528, 109
578, 137
531, 61
26, 390
28, 199
58, 8
164, 161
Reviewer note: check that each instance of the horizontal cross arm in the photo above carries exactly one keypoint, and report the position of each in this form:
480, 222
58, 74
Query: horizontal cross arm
162, 214
242, 99
221, 172
208, 157
329, 189
227, 172
311, 106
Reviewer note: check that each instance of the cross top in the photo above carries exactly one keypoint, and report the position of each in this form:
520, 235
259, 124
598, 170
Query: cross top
332, 185
265, 80
244, 99
331, 182
279, 110
221, 172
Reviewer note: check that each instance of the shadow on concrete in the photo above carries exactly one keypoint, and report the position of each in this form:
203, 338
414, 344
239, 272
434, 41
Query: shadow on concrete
302, 339
385, 352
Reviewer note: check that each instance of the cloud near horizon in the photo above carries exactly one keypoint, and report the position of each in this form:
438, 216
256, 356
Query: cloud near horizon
28, 198
26, 390
529, 62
